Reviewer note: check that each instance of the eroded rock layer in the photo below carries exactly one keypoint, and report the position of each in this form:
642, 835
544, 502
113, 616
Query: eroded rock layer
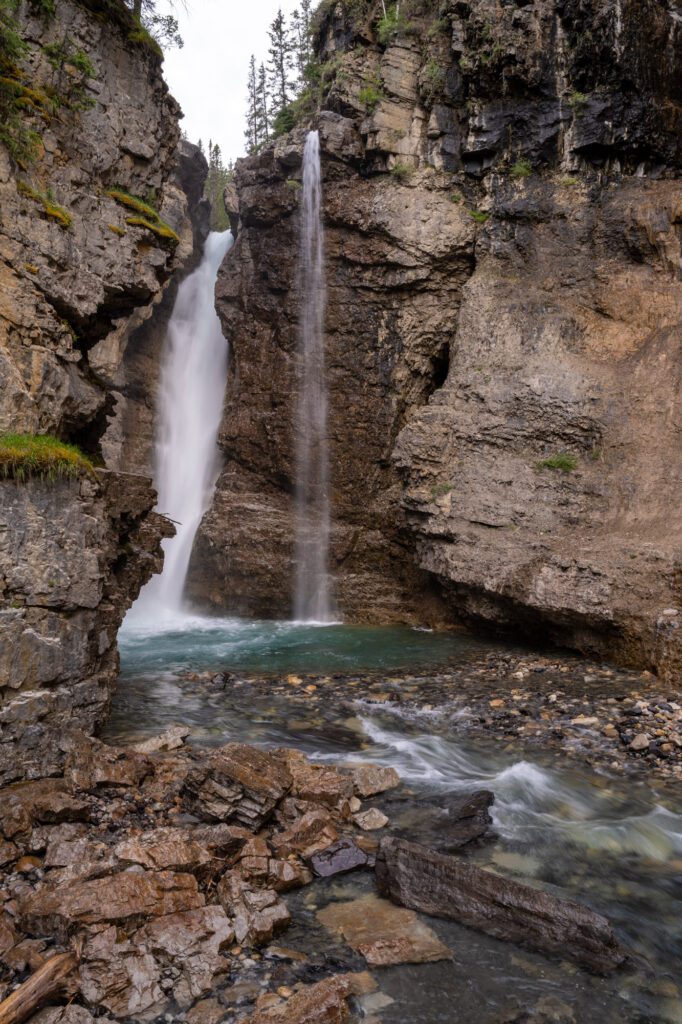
503, 228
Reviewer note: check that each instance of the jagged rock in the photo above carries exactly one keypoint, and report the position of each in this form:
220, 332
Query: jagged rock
191, 942
129, 896
371, 819
172, 738
71, 1014
206, 1011
46, 801
237, 783
338, 858
370, 779
284, 875
433, 883
382, 933
91, 763
467, 820
164, 848
311, 832
121, 976
317, 784
256, 915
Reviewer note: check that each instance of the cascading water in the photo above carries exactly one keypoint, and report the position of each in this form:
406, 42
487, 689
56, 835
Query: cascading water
312, 597
191, 392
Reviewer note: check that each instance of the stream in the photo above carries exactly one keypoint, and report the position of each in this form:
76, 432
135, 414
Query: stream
611, 843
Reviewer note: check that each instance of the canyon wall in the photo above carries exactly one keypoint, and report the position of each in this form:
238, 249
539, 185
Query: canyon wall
79, 269
504, 219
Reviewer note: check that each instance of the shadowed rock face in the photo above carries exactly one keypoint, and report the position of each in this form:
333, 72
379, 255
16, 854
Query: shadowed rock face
503, 266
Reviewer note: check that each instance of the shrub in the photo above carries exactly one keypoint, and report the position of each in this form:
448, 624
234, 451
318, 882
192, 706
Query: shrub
479, 216
23, 456
371, 95
577, 100
390, 23
401, 171
440, 490
521, 169
564, 462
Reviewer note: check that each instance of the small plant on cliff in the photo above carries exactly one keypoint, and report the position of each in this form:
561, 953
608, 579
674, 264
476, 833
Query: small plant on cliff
47, 201
23, 456
371, 93
158, 228
72, 70
20, 140
440, 490
401, 171
479, 216
390, 22
563, 462
577, 100
521, 169
140, 206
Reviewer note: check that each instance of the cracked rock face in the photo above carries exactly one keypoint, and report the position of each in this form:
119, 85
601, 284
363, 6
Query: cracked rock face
503, 228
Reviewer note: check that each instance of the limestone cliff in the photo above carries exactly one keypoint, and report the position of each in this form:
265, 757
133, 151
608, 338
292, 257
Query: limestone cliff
503, 262
90, 231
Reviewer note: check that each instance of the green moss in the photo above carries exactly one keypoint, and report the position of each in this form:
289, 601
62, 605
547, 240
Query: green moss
158, 228
23, 456
479, 216
47, 201
577, 100
564, 462
401, 171
569, 182
456, 197
294, 185
521, 169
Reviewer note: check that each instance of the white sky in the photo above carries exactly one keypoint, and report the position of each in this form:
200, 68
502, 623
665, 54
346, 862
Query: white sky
208, 75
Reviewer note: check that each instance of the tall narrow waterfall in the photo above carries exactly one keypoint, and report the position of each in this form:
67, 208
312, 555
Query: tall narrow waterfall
191, 392
312, 600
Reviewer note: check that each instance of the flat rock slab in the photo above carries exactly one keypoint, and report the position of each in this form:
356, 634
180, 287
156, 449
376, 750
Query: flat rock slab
414, 876
127, 896
383, 933
323, 1003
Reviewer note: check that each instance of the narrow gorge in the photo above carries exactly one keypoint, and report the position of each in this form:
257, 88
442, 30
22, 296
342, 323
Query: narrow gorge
340, 551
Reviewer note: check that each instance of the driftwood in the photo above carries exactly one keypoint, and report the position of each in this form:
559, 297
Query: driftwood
43, 983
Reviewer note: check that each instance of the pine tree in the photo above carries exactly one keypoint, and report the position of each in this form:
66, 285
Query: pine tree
251, 133
300, 40
279, 64
263, 124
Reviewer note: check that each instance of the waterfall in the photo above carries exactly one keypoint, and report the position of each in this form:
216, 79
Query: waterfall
190, 405
312, 599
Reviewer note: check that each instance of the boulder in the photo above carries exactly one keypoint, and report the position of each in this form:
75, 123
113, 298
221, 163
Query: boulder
371, 819
170, 739
318, 784
370, 779
323, 1003
121, 976
467, 819
237, 783
382, 933
342, 856
175, 848
46, 801
284, 875
256, 915
90, 764
130, 897
414, 876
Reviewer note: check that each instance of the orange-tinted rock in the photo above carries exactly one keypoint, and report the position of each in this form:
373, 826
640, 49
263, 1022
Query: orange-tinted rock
370, 779
130, 896
237, 783
309, 833
316, 783
90, 764
323, 1003
256, 915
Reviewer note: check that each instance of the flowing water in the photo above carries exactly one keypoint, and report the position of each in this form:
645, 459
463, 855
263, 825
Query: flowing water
190, 405
312, 596
613, 844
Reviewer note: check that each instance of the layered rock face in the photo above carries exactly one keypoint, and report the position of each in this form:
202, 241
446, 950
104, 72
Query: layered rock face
503, 267
72, 558
77, 272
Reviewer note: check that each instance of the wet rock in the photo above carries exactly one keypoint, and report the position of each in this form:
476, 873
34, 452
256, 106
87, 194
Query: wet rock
8, 852
370, 820
416, 877
8, 934
129, 896
548, 1010
467, 820
46, 801
326, 1001
338, 858
174, 848
72, 1014
284, 875
370, 779
640, 742
382, 933
311, 832
206, 1011
191, 942
172, 738
237, 783
255, 915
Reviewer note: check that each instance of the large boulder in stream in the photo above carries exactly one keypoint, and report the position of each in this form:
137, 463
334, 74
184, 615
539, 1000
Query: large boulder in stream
416, 877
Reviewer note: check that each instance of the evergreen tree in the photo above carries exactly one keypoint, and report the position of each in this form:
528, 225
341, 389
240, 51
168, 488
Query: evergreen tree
263, 110
251, 132
300, 40
216, 180
279, 64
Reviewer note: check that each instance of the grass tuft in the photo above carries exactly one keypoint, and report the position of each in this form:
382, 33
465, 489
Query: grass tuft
479, 216
521, 169
158, 228
46, 200
401, 171
134, 203
116, 230
23, 456
564, 462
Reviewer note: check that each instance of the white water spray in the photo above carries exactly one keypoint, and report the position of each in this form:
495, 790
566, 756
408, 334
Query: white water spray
312, 598
191, 392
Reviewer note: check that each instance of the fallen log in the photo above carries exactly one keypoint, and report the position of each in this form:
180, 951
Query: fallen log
44, 983
433, 883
